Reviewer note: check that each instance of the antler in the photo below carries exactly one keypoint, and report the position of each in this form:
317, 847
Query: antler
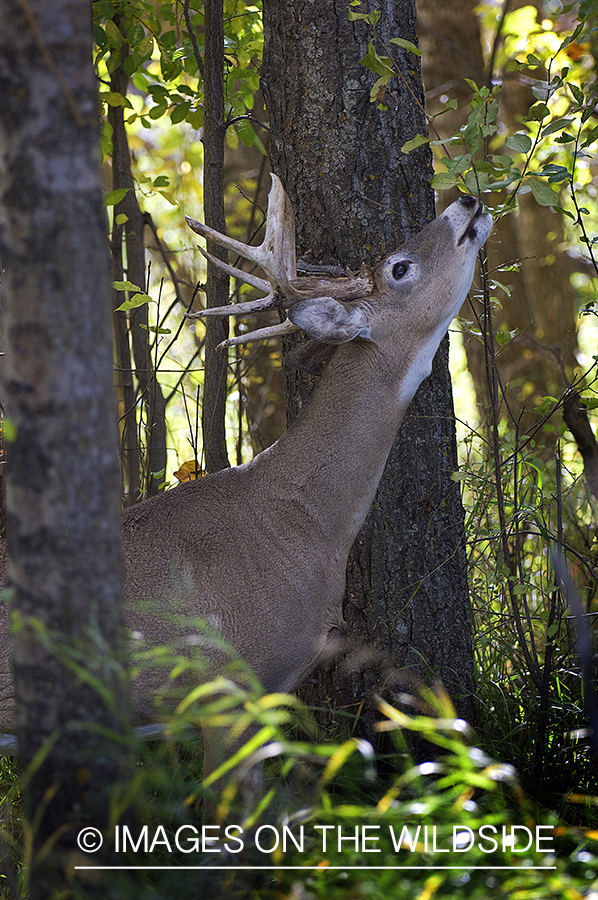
276, 257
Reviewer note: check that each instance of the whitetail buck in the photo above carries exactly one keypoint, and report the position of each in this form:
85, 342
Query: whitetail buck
260, 551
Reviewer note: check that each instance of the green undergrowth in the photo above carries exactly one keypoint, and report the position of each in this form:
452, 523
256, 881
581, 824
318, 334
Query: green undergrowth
332, 820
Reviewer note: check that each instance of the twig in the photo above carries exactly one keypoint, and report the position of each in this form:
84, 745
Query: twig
495, 42
194, 44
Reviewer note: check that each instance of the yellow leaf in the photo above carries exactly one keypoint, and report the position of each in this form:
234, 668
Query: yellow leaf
189, 471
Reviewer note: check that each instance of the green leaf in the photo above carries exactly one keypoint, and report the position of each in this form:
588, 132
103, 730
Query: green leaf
114, 36
169, 197
558, 177
179, 113
484, 165
134, 301
125, 286
533, 60
161, 181
159, 92
556, 126
406, 45
537, 113
379, 65
99, 35
442, 181
571, 37
246, 132
473, 137
135, 35
477, 182
154, 328
590, 137
457, 164
114, 197
491, 111
141, 53
544, 195
552, 630
565, 212
372, 18
418, 141
502, 338
170, 68
506, 290
9, 430
106, 8
113, 98
502, 160
156, 112
519, 142
577, 93
168, 40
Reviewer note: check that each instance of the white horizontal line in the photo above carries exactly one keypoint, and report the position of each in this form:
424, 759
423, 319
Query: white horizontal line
320, 868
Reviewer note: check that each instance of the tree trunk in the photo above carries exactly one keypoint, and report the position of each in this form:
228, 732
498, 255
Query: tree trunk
128, 261
62, 493
356, 197
214, 390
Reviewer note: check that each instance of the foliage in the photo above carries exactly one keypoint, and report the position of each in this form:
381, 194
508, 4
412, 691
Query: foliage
155, 54
335, 819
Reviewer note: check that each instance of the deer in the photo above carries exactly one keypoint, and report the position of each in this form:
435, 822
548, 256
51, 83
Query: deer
259, 552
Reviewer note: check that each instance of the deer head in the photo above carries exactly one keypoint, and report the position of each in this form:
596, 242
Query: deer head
436, 265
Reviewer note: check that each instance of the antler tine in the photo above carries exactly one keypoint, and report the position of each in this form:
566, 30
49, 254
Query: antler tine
272, 301
247, 277
276, 253
279, 240
286, 327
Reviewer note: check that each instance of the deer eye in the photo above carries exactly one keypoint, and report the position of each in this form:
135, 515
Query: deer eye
399, 269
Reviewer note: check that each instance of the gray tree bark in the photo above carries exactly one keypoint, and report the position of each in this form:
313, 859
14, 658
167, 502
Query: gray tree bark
63, 486
356, 197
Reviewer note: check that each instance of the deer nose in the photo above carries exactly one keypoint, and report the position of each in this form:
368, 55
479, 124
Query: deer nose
468, 201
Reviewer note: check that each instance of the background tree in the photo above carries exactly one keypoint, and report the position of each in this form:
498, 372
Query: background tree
62, 493
526, 252
356, 196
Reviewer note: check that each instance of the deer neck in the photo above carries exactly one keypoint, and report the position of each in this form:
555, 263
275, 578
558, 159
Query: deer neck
330, 461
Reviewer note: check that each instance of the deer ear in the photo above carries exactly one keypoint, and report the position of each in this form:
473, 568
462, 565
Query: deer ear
330, 322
